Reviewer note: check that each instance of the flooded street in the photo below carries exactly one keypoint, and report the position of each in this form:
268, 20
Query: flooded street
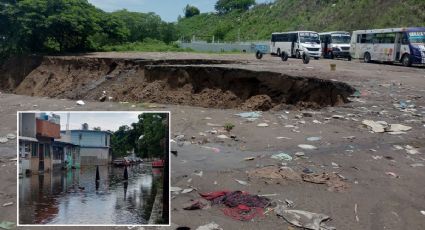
74, 197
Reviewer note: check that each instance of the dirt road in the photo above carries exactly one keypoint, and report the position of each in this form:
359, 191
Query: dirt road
381, 174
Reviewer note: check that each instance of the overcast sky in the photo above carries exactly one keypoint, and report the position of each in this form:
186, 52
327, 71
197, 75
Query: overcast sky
169, 10
106, 121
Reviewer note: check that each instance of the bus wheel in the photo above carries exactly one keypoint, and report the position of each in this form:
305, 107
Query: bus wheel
316, 58
278, 53
407, 61
284, 56
367, 58
298, 55
306, 58
258, 55
330, 55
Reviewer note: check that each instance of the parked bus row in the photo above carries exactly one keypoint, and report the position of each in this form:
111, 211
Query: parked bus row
394, 45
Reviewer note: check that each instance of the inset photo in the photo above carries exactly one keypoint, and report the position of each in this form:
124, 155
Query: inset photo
93, 168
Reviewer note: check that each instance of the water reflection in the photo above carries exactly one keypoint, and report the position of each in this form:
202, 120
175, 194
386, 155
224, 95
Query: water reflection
75, 197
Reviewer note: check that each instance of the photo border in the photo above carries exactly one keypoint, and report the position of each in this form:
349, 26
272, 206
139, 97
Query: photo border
93, 225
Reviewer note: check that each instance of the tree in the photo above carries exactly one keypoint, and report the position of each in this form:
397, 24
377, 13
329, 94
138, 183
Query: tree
225, 6
190, 11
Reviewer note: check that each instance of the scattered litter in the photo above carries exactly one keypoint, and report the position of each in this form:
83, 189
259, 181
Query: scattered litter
10, 136
397, 128
80, 102
263, 125
199, 173
241, 182
332, 180
210, 226
411, 150
282, 157
398, 147
350, 137
249, 158
314, 138
335, 165
299, 154
308, 171
374, 126
207, 118
251, 116
423, 213
355, 212
195, 205
188, 190
275, 173
308, 147
7, 204
289, 203
7, 224
222, 136
216, 150
317, 122
392, 174
287, 138
175, 189
239, 205
303, 219
214, 125
3, 139
337, 116
417, 165
377, 157
268, 195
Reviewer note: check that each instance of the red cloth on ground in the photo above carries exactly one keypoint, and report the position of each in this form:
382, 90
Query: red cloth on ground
213, 195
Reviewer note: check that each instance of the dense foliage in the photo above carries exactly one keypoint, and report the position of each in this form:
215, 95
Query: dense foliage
32, 26
319, 15
190, 11
225, 6
146, 137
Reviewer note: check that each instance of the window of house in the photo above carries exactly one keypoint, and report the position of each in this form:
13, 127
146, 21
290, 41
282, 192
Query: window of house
47, 150
34, 149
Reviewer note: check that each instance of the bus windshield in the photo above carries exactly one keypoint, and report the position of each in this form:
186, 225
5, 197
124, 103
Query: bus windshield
417, 37
307, 37
341, 39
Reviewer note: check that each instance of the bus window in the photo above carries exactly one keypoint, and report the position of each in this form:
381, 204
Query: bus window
405, 39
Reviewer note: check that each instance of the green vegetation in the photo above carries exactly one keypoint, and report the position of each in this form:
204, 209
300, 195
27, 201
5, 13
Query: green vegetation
146, 137
64, 26
260, 21
228, 127
148, 45
59, 26
190, 11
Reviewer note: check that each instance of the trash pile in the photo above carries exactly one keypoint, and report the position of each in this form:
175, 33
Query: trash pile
382, 127
239, 205
304, 219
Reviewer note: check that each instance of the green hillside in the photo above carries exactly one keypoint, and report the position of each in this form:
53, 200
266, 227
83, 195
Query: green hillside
318, 15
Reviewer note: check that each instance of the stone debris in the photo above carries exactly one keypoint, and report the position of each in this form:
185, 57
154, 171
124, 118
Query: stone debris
10, 136
3, 139
222, 137
241, 182
314, 138
175, 189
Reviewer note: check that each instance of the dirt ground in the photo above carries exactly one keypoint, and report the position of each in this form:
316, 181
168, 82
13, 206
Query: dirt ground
379, 182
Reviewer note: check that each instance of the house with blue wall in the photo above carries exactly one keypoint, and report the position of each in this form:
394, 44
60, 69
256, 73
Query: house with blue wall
94, 146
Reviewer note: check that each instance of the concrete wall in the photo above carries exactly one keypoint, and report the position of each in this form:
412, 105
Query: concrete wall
27, 124
94, 156
219, 47
90, 138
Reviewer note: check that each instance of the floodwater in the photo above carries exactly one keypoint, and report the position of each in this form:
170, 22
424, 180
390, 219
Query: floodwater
74, 197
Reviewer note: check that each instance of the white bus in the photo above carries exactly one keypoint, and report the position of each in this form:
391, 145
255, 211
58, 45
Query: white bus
405, 45
336, 44
296, 43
